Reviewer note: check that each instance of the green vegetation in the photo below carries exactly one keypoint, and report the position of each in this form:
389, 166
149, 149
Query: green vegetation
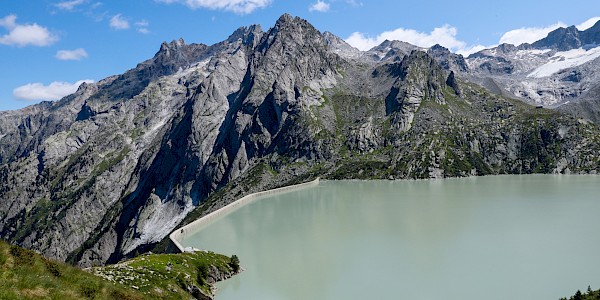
27, 275
362, 169
588, 295
170, 276
45, 212
234, 263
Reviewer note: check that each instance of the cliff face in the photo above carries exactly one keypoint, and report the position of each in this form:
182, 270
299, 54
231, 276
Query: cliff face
116, 166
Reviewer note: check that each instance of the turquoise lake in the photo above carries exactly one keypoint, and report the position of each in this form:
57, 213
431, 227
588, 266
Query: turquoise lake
497, 237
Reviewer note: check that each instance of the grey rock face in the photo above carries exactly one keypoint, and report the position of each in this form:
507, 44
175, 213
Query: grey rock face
587, 108
112, 169
561, 39
419, 78
591, 35
564, 39
448, 60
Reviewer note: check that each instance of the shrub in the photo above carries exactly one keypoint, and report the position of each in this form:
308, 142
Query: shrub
234, 263
23, 257
52, 267
90, 290
202, 274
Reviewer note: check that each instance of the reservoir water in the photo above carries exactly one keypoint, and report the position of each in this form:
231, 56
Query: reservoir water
498, 237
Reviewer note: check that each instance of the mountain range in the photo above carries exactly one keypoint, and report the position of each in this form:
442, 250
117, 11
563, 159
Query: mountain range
111, 170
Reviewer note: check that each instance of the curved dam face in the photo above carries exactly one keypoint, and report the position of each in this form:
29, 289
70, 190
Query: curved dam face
497, 237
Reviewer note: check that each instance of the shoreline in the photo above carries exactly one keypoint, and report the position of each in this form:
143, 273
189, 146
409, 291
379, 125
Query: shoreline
180, 233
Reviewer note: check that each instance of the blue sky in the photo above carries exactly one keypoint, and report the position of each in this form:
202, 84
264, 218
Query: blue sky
48, 47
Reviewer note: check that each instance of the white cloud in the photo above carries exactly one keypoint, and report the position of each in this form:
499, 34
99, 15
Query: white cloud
25, 34
76, 54
361, 42
473, 49
142, 23
354, 3
142, 26
588, 24
118, 22
9, 22
69, 5
319, 6
445, 36
54, 91
236, 6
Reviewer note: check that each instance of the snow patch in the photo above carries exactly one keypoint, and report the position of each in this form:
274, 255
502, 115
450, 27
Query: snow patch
200, 66
535, 52
564, 60
538, 52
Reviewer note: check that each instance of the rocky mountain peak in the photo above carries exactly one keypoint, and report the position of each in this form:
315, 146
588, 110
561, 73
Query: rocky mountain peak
177, 51
340, 46
561, 39
173, 45
292, 33
385, 44
507, 48
591, 36
397, 45
565, 39
437, 48
249, 35
447, 59
422, 68
284, 19
419, 78
391, 50
287, 23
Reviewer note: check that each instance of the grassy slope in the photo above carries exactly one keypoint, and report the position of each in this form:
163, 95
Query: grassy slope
168, 276
27, 275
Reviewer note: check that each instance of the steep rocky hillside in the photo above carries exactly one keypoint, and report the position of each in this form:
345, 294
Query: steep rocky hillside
110, 170
587, 108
